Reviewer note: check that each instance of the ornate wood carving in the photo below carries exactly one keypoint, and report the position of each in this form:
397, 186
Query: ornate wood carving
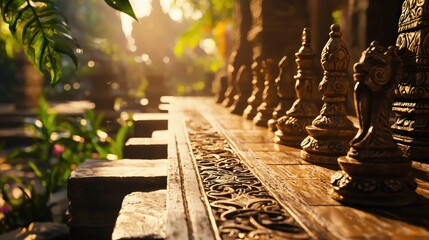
244, 82
285, 93
373, 172
291, 127
241, 206
258, 88
411, 128
331, 131
270, 98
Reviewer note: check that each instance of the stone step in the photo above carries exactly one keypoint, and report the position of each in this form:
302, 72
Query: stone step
97, 187
146, 123
143, 215
145, 148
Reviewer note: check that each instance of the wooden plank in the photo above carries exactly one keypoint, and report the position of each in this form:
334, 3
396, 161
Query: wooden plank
199, 220
177, 226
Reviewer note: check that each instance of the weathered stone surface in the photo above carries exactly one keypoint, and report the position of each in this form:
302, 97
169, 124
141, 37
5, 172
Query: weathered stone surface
96, 189
142, 216
145, 148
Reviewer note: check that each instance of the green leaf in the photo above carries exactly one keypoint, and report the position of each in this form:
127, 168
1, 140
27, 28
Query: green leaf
123, 6
40, 27
35, 169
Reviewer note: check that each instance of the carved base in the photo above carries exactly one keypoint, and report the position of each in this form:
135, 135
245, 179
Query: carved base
239, 106
261, 119
382, 182
318, 158
291, 130
265, 113
272, 124
250, 112
288, 140
326, 145
228, 101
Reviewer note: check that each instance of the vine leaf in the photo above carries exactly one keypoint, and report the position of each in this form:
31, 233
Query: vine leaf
42, 30
123, 6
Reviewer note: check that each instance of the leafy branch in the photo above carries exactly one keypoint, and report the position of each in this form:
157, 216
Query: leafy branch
43, 32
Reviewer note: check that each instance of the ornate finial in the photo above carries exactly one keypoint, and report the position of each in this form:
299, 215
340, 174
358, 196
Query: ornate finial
258, 87
291, 127
335, 31
244, 82
331, 131
285, 93
373, 172
270, 98
306, 37
335, 56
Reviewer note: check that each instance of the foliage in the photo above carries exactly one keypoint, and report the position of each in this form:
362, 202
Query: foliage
216, 16
62, 145
123, 6
43, 32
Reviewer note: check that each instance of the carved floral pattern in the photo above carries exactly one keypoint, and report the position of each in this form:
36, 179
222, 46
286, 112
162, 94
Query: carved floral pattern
241, 205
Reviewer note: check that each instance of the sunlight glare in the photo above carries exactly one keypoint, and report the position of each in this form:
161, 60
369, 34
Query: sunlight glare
208, 45
175, 14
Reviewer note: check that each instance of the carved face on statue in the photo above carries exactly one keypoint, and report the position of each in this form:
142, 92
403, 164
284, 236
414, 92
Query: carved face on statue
375, 74
374, 68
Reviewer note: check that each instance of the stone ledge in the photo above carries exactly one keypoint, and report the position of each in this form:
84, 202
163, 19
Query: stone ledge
146, 148
97, 187
142, 216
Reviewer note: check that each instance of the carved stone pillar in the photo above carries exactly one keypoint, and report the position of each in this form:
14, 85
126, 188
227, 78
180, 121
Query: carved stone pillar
331, 131
244, 82
291, 127
258, 88
411, 105
285, 94
270, 98
373, 172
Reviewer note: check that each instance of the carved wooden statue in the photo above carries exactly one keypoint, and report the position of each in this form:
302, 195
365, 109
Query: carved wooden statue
232, 84
223, 85
331, 131
411, 105
291, 127
284, 92
258, 88
270, 98
244, 82
373, 172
